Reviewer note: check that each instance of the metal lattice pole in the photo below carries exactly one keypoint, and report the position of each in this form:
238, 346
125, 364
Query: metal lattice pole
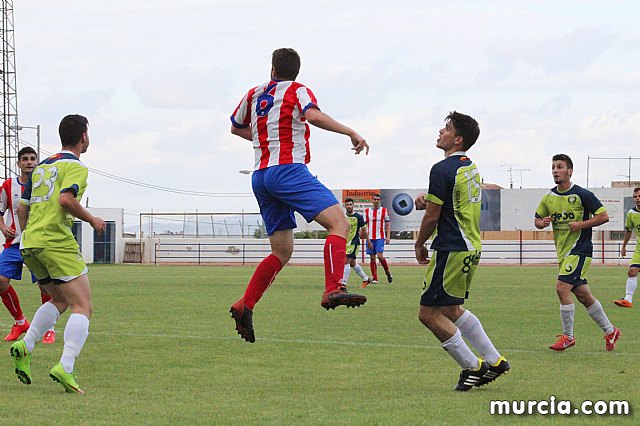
9, 124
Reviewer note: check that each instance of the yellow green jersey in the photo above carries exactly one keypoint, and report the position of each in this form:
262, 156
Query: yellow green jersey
356, 222
633, 224
49, 225
454, 183
574, 205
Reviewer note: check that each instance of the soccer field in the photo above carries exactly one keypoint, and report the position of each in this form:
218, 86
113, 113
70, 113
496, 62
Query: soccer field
163, 349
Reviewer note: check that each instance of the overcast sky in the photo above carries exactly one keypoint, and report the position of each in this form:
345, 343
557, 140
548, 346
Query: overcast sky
159, 79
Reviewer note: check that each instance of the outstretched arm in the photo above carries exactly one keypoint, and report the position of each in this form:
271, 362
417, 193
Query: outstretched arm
325, 122
243, 132
69, 202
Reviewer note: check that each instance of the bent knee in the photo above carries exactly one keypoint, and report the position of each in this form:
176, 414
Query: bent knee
426, 316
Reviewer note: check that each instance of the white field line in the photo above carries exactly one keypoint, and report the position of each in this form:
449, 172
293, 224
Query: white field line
344, 343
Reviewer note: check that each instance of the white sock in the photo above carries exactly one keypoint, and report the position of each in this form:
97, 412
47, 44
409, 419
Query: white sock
347, 272
566, 316
360, 272
45, 317
460, 352
632, 284
472, 330
597, 314
75, 334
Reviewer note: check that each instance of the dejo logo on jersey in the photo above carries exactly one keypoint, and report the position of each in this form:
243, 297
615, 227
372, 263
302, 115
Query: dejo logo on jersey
562, 217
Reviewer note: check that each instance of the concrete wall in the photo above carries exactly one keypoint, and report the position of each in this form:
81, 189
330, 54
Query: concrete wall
251, 251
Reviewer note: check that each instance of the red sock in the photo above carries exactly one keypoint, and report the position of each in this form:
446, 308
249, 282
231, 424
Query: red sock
262, 278
335, 254
384, 264
374, 270
11, 301
44, 297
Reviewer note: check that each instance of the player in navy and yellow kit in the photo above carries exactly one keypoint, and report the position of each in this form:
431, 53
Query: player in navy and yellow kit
453, 210
631, 224
46, 214
573, 212
357, 231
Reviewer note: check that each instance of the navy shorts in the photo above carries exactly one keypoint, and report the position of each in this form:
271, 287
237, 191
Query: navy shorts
281, 190
352, 251
11, 263
573, 270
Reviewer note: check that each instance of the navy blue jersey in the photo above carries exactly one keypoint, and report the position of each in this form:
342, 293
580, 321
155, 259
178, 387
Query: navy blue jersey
454, 183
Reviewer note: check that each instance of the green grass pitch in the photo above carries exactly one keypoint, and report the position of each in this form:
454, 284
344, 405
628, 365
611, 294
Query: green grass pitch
162, 350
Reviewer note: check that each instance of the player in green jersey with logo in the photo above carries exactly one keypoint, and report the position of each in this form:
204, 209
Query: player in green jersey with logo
573, 212
452, 207
632, 224
357, 231
47, 209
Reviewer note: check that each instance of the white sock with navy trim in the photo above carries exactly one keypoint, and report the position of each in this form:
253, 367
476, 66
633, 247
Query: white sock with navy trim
460, 352
472, 330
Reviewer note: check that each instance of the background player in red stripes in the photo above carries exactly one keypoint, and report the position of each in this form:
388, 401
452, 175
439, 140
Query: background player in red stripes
379, 228
10, 258
274, 117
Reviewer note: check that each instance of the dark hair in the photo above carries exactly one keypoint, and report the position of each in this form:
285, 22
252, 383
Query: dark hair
466, 127
71, 129
26, 150
636, 189
286, 63
348, 200
376, 195
565, 158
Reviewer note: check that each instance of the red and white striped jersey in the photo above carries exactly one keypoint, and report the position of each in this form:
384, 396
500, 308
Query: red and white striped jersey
9, 201
376, 218
275, 111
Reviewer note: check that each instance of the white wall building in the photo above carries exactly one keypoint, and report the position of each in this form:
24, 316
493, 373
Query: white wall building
105, 248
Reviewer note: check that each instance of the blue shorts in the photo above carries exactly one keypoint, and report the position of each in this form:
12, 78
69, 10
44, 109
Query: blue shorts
378, 246
11, 263
281, 190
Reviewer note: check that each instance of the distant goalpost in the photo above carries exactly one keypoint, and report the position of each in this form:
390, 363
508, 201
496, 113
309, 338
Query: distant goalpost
201, 225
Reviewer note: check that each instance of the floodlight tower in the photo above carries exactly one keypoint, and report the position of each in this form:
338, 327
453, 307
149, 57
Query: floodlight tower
9, 117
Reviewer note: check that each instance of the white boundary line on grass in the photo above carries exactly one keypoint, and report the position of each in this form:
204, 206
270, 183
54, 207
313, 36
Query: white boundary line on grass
342, 343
